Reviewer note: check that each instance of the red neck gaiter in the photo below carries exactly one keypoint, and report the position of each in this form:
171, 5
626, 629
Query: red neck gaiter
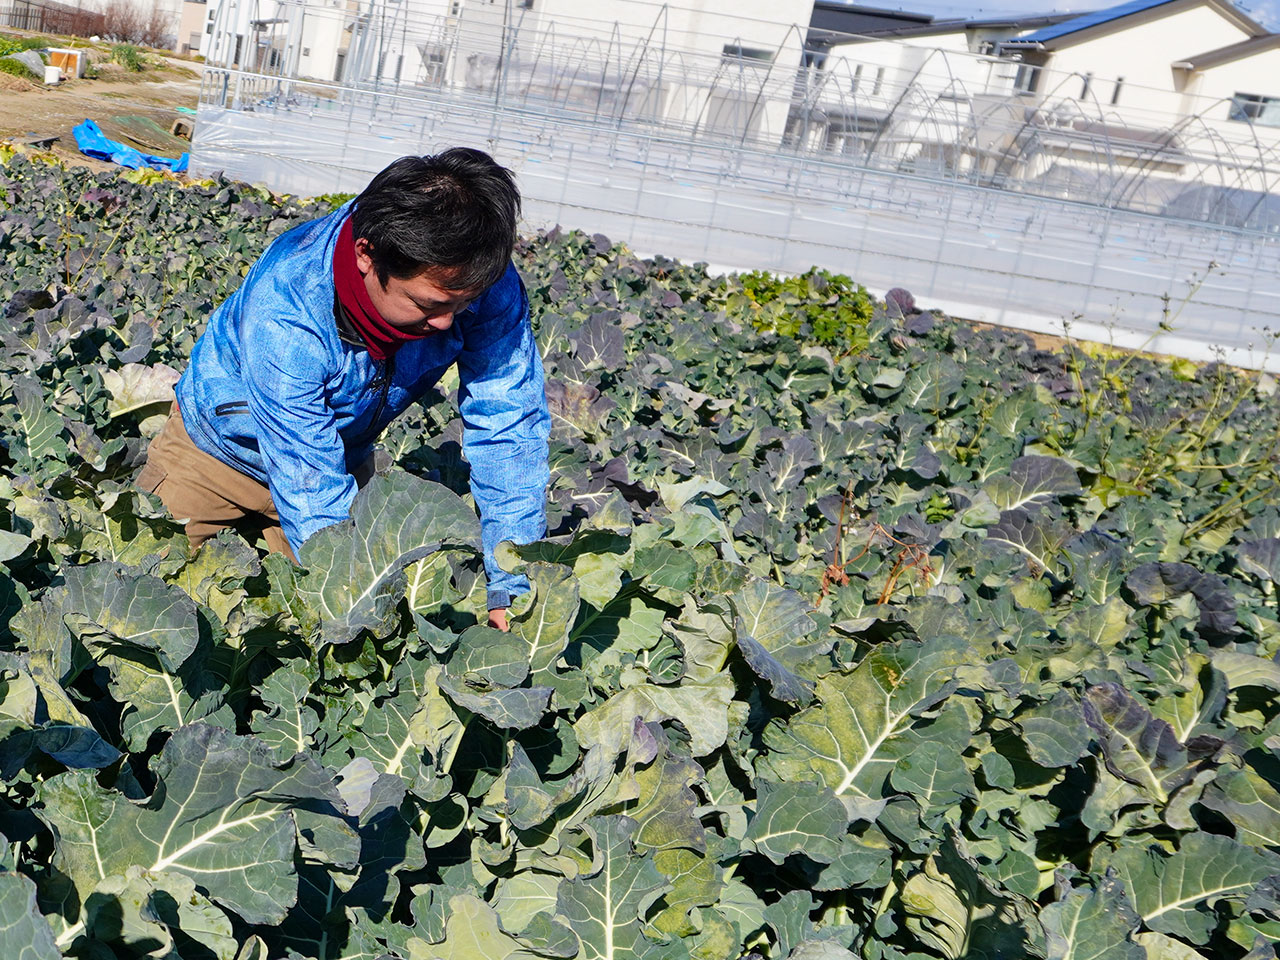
382, 339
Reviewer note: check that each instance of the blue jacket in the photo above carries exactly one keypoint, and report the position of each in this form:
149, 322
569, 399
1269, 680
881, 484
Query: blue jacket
273, 391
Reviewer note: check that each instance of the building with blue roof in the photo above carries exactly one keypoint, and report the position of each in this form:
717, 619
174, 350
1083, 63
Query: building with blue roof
1131, 45
1154, 104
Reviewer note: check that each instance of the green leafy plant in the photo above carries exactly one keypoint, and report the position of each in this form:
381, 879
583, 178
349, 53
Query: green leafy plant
129, 57
829, 308
17, 68
9, 45
829, 653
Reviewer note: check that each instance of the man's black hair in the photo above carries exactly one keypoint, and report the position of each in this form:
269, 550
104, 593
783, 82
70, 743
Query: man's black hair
455, 211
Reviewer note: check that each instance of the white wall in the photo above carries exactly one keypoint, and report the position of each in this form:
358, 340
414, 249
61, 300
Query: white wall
1259, 75
1143, 55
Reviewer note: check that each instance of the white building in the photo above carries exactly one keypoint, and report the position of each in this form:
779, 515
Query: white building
704, 65
1113, 101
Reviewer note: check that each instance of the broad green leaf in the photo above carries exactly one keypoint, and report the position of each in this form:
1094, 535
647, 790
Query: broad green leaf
548, 937
1192, 691
1160, 947
596, 551
935, 776
777, 635
215, 576
111, 603
519, 898
140, 911
695, 882
664, 565
1137, 747
796, 818
512, 709
1097, 924
1055, 732
821, 950
1033, 479
702, 708
429, 584
852, 738
1250, 799
113, 528
1171, 890
544, 626
485, 657
665, 808
40, 426
790, 920
1038, 539
222, 814
289, 723
1113, 803
471, 933
156, 698
528, 802
1262, 558
1248, 670
739, 905
136, 386
24, 933
1104, 624
951, 909
606, 907
355, 569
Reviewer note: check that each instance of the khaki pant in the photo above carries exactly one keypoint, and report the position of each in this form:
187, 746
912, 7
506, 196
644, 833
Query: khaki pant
206, 494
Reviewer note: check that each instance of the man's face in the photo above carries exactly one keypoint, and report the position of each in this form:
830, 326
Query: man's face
420, 304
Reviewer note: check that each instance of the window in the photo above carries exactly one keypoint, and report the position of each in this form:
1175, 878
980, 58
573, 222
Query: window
736, 51
1115, 92
857, 78
306, 51
1252, 108
455, 8
1084, 87
875, 88
1027, 78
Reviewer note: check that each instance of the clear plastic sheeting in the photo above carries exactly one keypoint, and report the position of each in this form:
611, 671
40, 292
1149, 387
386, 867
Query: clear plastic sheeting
936, 174
986, 254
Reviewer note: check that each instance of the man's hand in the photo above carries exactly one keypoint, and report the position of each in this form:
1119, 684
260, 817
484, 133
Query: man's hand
498, 619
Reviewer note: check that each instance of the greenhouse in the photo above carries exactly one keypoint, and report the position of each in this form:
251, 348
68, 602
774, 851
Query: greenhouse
840, 156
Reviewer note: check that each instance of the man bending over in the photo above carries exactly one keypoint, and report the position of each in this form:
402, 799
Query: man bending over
340, 325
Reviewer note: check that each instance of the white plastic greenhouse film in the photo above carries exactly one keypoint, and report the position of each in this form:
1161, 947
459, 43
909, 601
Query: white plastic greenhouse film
984, 254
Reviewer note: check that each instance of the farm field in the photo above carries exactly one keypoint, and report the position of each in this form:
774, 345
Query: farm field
121, 98
860, 632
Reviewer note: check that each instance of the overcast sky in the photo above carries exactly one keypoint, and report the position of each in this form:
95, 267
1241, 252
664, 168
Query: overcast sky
1266, 12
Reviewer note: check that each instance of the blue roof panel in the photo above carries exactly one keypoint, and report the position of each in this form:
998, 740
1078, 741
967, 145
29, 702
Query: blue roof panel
1086, 20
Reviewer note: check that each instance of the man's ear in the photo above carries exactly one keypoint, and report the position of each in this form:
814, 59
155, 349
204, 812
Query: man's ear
364, 262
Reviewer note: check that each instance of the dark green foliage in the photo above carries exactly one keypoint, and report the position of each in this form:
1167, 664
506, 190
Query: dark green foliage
924, 644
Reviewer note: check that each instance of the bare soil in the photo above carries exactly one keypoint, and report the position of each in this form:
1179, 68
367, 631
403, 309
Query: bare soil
31, 110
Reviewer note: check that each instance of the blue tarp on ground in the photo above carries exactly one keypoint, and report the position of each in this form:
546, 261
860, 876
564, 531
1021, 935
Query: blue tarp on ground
94, 143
